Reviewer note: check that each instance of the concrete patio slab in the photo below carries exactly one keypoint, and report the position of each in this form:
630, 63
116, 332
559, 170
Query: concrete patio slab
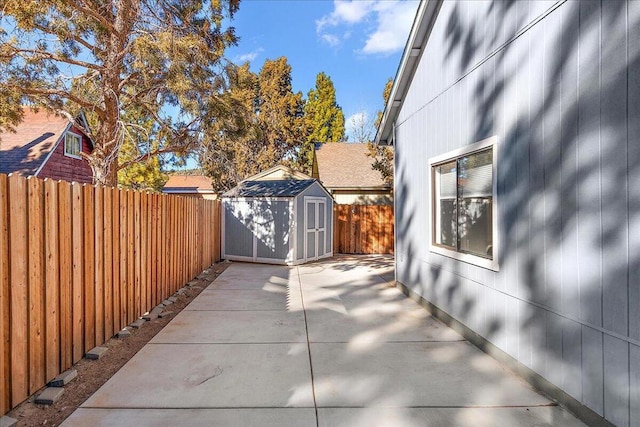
210, 376
269, 284
377, 323
271, 417
234, 327
540, 416
247, 300
242, 353
414, 374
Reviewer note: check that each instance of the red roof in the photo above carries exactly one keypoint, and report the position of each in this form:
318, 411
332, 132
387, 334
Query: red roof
188, 184
25, 150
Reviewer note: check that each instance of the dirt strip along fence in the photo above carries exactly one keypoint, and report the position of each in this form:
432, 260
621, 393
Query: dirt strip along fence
363, 229
80, 262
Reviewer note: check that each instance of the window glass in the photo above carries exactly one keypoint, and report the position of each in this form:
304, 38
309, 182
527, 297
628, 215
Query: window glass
446, 204
72, 144
463, 204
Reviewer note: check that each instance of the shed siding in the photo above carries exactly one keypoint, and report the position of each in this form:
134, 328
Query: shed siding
238, 223
315, 191
563, 98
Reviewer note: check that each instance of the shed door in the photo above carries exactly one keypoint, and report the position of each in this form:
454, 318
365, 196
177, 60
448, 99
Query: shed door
315, 228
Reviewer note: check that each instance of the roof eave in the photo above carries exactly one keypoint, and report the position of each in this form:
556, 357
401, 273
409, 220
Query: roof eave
417, 41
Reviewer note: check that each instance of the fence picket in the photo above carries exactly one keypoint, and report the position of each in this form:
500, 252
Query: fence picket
77, 299
36, 272
18, 208
5, 403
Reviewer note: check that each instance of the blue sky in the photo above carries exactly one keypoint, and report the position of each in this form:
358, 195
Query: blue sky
357, 43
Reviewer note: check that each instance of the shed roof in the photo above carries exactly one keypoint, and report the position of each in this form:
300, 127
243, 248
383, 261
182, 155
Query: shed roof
272, 188
346, 165
25, 150
188, 184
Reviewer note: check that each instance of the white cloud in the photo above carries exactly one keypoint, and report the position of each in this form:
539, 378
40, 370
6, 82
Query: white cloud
330, 39
394, 22
251, 56
359, 127
345, 11
392, 18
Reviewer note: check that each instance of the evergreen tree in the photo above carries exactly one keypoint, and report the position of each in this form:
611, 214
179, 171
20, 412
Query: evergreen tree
323, 117
382, 155
265, 128
134, 54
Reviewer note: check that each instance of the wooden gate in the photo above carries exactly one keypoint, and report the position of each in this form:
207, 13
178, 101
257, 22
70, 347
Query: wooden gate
363, 229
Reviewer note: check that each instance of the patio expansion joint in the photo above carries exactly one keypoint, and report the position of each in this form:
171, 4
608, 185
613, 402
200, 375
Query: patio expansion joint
173, 408
306, 329
228, 343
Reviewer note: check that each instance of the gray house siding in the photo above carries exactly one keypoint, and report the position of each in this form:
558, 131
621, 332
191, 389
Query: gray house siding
558, 83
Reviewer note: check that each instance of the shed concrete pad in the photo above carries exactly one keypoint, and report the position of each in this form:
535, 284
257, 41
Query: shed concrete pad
537, 416
210, 376
413, 374
267, 417
251, 299
387, 322
234, 327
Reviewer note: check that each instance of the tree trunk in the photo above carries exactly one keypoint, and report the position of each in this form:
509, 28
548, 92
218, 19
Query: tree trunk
103, 173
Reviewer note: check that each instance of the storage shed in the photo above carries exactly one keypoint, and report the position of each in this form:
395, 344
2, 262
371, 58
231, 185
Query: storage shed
277, 222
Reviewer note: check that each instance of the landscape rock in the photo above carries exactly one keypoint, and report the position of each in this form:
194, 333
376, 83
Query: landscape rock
165, 314
153, 315
138, 323
167, 302
6, 421
64, 378
49, 396
96, 353
124, 333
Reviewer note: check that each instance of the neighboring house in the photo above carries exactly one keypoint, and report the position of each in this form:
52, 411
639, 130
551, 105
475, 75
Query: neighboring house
516, 128
345, 170
47, 146
278, 172
190, 185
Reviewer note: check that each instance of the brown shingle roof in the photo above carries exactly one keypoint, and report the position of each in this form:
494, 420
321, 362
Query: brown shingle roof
188, 184
26, 149
346, 165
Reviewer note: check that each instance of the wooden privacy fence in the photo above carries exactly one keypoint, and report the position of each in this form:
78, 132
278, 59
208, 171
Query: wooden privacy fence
363, 229
80, 262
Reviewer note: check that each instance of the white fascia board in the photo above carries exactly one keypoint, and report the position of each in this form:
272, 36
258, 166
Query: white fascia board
418, 38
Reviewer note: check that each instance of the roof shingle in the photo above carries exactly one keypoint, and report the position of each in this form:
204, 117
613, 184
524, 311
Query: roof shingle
188, 184
346, 165
272, 188
26, 149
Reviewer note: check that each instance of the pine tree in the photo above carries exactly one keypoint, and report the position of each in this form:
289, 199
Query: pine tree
382, 155
133, 54
265, 128
323, 117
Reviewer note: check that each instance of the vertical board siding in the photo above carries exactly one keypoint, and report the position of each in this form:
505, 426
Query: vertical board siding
85, 261
557, 84
363, 229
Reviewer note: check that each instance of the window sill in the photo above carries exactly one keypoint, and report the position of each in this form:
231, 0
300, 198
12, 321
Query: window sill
490, 264
73, 156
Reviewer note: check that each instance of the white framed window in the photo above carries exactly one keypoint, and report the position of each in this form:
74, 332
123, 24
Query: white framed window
464, 205
72, 145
